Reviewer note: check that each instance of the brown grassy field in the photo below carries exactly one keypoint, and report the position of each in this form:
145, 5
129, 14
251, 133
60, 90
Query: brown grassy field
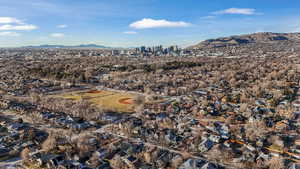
109, 100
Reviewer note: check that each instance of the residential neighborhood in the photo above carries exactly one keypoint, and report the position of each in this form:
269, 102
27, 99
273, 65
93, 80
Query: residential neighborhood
70, 108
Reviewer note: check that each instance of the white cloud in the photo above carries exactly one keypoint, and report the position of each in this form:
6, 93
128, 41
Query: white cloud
241, 11
9, 34
130, 32
18, 27
151, 23
7, 20
57, 35
62, 26
14, 24
208, 17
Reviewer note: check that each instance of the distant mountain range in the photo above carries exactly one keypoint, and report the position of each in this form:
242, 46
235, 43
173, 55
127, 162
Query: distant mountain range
64, 46
281, 41
255, 38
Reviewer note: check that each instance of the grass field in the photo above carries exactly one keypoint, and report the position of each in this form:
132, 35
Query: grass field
109, 100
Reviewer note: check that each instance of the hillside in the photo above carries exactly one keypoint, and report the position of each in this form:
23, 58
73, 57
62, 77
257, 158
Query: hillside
256, 38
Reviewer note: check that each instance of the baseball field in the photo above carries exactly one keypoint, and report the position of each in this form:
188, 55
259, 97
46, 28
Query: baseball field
109, 100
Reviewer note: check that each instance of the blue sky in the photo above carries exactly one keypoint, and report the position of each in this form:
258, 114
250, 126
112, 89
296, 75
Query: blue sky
128, 23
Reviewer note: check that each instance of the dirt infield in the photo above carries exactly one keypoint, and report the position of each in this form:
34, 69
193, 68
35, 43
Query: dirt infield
126, 101
94, 91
